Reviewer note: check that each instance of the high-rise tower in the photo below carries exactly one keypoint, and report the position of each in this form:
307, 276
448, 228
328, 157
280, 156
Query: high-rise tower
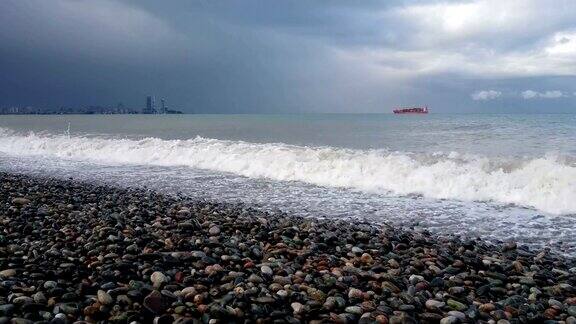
150, 105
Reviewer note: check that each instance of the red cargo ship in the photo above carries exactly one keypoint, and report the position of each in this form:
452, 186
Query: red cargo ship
411, 110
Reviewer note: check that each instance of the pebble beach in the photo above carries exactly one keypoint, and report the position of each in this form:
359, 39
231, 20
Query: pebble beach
78, 252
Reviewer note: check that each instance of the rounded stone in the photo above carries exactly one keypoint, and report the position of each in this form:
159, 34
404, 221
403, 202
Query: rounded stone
153, 302
104, 298
459, 315
433, 304
50, 284
357, 310
282, 293
20, 201
39, 298
355, 293
158, 278
297, 308
266, 270
366, 258
449, 320
214, 230
8, 273
456, 305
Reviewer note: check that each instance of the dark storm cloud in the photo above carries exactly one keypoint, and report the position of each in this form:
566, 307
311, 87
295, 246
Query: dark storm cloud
286, 56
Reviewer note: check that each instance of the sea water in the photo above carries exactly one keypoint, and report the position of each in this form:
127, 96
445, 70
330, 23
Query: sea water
498, 176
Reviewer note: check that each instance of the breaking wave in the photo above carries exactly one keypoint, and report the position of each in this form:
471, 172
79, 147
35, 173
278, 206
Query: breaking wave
547, 183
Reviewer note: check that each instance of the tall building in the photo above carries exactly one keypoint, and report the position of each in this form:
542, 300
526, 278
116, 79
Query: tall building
164, 108
150, 105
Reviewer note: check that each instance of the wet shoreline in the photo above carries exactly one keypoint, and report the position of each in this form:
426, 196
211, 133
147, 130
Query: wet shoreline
75, 251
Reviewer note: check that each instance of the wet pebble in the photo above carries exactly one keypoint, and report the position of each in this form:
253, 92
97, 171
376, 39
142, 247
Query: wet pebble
77, 252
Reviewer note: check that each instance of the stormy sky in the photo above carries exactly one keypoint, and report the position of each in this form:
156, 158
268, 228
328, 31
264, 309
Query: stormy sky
291, 56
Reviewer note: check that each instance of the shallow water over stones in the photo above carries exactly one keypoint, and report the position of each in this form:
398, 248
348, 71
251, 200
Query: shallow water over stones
490, 221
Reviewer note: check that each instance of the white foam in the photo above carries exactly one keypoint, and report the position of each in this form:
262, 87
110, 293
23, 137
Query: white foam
545, 183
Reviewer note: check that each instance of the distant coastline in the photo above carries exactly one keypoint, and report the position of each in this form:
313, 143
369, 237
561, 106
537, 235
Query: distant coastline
171, 112
119, 109
80, 111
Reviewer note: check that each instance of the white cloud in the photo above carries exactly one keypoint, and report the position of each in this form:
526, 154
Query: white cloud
472, 38
479, 62
486, 95
529, 94
443, 22
551, 94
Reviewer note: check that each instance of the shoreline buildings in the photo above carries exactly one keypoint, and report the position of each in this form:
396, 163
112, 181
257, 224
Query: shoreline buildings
120, 109
150, 105
151, 109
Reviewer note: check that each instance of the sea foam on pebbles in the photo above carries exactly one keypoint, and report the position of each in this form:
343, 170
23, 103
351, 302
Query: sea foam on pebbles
73, 251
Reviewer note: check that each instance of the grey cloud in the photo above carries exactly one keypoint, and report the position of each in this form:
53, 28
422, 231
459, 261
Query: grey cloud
281, 56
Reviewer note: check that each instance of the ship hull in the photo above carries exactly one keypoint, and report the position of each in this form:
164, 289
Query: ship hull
411, 110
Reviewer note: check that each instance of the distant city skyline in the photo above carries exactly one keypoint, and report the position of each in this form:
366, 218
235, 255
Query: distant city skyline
151, 107
256, 56
148, 108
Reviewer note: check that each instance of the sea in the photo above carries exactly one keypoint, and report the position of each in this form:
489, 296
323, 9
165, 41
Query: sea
499, 177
